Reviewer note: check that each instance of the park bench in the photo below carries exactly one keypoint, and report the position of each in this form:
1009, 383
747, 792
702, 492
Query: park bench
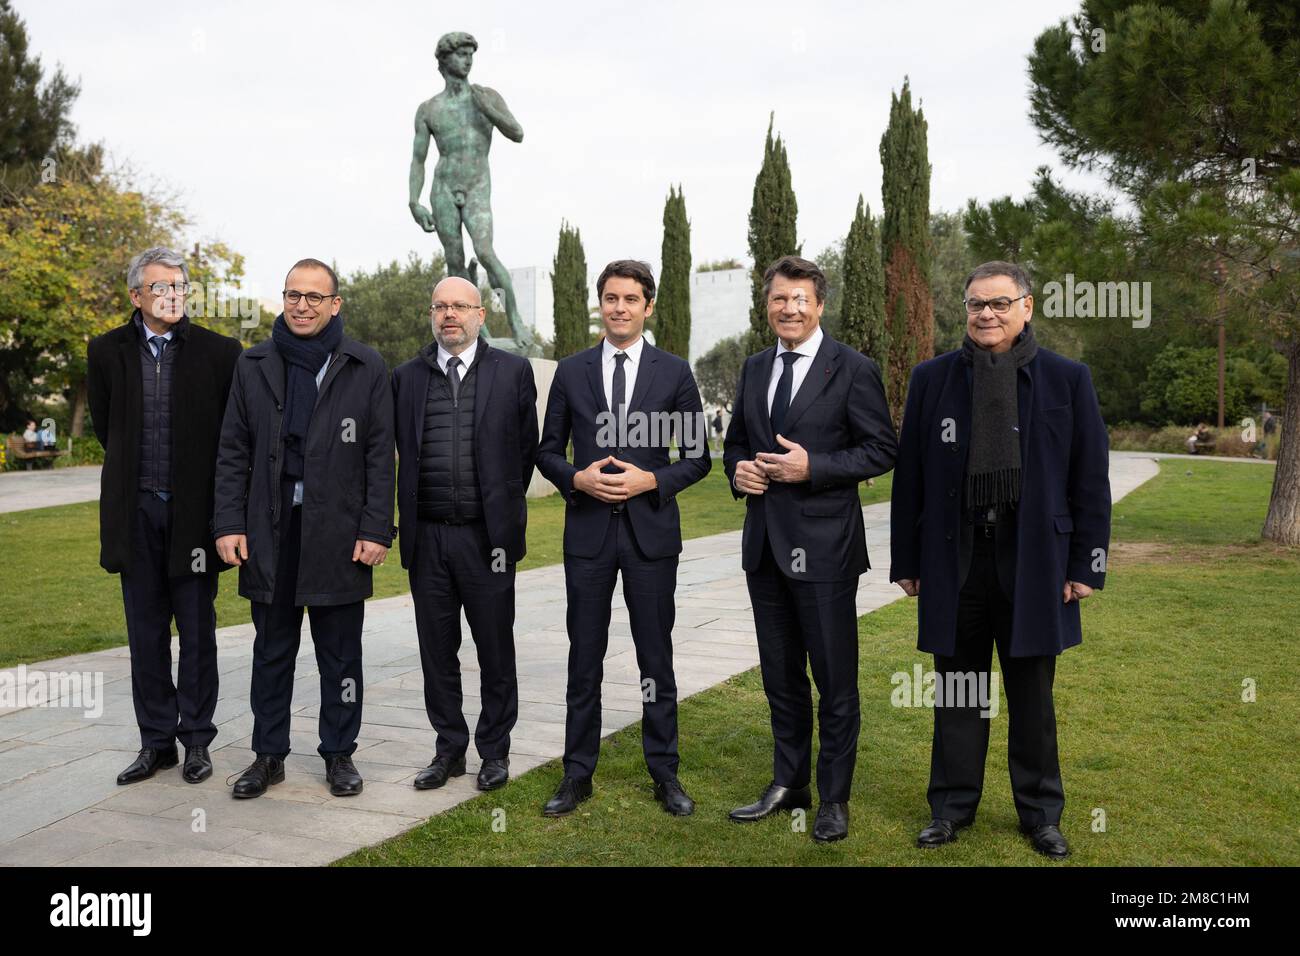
18, 451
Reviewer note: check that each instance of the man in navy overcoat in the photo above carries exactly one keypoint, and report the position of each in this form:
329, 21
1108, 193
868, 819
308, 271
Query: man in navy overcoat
1000, 525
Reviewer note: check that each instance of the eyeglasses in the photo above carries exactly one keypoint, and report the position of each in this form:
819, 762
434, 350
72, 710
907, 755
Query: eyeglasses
293, 297
160, 288
1000, 305
455, 308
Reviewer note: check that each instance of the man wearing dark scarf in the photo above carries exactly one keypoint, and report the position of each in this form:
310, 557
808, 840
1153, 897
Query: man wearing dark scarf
304, 506
1001, 508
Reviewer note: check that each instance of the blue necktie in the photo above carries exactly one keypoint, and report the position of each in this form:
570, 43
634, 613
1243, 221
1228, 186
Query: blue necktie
157, 343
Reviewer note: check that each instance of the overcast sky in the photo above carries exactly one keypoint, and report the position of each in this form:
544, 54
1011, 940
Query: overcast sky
285, 127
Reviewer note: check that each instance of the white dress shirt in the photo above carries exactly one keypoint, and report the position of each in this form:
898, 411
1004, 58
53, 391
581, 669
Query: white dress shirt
607, 365
808, 348
466, 358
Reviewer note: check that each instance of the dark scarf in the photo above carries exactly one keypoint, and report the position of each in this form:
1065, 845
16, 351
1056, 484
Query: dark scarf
303, 358
993, 467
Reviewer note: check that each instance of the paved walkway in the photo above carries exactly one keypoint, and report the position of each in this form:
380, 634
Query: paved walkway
44, 487
1164, 454
59, 802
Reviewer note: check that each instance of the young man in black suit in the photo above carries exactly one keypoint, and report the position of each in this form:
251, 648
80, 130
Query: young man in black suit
466, 442
809, 424
613, 401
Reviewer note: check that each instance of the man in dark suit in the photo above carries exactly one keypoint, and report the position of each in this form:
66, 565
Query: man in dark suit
1000, 523
809, 424
614, 401
466, 418
157, 389
304, 506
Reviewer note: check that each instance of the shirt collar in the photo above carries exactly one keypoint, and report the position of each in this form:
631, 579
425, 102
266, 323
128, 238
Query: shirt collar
466, 357
633, 351
808, 348
144, 329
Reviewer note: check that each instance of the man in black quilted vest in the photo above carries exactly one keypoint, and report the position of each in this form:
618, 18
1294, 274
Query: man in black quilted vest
157, 389
466, 422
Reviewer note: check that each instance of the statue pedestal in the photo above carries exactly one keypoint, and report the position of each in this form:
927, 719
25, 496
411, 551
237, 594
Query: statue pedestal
543, 374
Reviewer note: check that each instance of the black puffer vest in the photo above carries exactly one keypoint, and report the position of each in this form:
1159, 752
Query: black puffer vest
155, 462
448, 484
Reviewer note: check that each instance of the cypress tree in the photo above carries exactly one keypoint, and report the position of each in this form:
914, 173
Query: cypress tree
673, 303
569, 288
772, 231
862, 309
904, 244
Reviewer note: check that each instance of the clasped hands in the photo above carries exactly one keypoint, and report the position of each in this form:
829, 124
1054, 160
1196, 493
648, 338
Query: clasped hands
629, 483
753, 477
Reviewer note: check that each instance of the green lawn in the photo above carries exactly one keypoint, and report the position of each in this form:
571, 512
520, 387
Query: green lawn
1152, 727
56, 600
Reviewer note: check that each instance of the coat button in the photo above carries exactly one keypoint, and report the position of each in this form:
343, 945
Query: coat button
947, 537
952, 492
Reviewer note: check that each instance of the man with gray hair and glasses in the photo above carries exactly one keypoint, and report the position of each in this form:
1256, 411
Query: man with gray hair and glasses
157, 391
1000, 518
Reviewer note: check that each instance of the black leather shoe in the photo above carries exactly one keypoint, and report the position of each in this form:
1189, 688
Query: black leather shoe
261, 773
147, 763
671, 794
571, 792
832, 822
493, 774
940, 832
435, 775
341, 774
198, 765
1047, 840
774, 798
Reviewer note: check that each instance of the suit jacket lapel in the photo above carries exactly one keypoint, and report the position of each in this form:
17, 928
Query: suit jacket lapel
594, 377
331, 373
129, 350
418, 395
272, 367
957, 403
486, 370
649, 362
756, 401
1025, 408
824, 364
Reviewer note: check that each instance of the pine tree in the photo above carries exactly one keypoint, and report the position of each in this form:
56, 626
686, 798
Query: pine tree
33, 108
904, 244
569, 287
862, 309
673, 303
772, 232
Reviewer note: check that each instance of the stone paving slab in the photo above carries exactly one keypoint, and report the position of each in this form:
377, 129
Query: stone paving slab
60, 804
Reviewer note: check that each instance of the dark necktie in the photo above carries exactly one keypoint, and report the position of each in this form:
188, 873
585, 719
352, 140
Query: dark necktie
619, 394
157, 343
781, 401
453, 378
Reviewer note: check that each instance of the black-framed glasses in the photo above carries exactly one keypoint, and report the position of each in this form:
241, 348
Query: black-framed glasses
1000, 305
293, 297
161, 288
455, 308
